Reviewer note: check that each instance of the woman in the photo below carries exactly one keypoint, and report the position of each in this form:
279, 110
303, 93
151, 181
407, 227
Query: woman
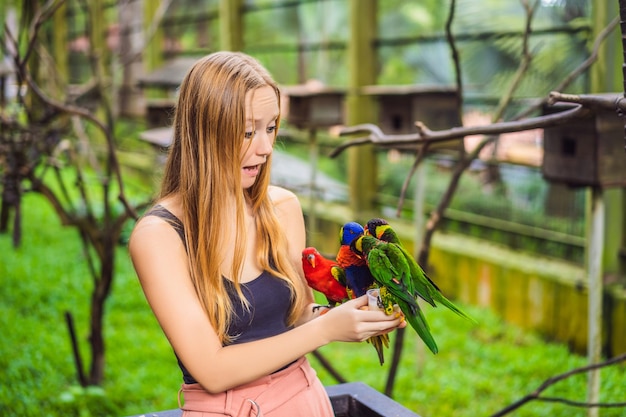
218, 256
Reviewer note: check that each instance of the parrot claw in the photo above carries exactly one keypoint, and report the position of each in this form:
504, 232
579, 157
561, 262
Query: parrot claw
318, 306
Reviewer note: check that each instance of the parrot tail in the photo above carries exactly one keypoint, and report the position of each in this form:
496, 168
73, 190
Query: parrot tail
420, 325
450, 305
380, 343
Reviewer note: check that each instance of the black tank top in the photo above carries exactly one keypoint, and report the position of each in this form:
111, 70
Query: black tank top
268, 297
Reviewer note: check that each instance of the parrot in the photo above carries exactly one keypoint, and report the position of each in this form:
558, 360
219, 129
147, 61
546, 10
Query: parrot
391, 272
419, 283
324, 275
358, 277
328, 277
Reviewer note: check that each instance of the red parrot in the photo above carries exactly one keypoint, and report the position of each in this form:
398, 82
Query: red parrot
324, 275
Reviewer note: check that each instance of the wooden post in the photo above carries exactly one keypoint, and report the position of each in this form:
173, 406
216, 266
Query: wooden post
607, 77
606, 208
99, 37
153, 45
231, 25
132, 41
622, 15
595, 248
59, 45
312, 214
362, 64
607, 70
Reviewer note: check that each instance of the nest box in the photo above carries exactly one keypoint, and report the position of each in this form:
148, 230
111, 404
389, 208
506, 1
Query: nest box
313, 107
399, 107
586, 151
167, 78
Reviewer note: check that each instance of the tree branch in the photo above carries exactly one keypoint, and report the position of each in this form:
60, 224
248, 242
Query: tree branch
424, 134
553, 380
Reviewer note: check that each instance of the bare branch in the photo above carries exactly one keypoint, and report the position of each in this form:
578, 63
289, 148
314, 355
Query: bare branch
553, 380
580, 403
455, 53
424, 134
421, 155
592, 101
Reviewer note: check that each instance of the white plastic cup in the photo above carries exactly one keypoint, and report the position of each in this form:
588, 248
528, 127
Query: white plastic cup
373, 299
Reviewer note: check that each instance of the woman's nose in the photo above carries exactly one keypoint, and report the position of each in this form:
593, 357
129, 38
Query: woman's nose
264, 143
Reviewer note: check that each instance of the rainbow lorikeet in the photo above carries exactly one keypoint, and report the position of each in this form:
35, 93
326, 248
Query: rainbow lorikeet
391, 272
419, 283
358, 277
324, 275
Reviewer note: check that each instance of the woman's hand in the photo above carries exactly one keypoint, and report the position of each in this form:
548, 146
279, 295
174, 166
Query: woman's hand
353, 322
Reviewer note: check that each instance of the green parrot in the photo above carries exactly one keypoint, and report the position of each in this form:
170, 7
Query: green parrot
391, 272
419, 283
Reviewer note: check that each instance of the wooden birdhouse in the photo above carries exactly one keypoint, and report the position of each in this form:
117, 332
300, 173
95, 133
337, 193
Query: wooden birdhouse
585, 151
167, 78
307, 106
401, 106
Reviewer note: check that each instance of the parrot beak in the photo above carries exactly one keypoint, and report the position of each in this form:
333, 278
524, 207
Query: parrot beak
311, 259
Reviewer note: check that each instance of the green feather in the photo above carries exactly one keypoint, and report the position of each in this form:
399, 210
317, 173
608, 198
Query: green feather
420, 284
391, 270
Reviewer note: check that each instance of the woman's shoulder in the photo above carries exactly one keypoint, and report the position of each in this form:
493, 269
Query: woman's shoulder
282, 196
157, 223
148, 229
287, 207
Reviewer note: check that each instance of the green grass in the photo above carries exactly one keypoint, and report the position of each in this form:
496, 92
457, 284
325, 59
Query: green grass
479, 370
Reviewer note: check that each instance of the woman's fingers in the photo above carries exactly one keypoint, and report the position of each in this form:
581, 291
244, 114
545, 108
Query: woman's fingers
353, 321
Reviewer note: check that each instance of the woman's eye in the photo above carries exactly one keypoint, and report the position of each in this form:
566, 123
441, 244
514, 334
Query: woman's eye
248, 135
271, 129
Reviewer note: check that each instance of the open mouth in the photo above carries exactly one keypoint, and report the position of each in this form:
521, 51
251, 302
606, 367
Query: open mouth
252, 170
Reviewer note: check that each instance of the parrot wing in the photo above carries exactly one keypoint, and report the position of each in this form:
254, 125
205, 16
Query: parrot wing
339, 274
391, 271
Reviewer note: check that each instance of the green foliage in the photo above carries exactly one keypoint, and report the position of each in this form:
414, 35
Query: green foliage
43, 279
480, 368
86, 402
322, 28
521, 197
334, 168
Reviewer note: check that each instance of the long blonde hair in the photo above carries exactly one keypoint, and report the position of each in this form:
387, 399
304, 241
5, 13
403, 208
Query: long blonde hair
204, 169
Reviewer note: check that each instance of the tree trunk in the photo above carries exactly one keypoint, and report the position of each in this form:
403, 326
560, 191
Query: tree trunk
101, 291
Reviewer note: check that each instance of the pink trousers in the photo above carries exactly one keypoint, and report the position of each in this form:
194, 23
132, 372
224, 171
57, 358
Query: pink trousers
292, 392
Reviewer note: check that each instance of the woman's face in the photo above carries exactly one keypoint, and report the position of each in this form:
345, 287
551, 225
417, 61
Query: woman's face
261, 114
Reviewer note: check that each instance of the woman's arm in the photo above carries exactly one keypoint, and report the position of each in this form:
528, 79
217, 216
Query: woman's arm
160, 261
